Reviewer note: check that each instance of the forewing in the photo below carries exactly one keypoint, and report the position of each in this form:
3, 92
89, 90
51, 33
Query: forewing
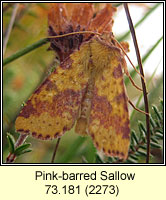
109, 118
54, 106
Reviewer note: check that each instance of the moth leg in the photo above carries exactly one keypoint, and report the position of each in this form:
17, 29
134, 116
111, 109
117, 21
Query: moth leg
132, 81
128, 75
141, 111
122, 46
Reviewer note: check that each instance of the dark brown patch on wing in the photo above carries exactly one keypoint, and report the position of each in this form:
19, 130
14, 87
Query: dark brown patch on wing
120, 97
101, 108
66, 64
117, 73
125, 130
50, 85
28, 110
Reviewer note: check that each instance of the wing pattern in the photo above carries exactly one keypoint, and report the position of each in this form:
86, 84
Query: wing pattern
54, 106
109, 118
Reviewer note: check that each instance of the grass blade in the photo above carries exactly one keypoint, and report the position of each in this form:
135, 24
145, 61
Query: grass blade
123, 37
24, 51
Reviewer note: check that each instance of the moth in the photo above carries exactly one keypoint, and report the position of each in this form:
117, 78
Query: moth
87, 89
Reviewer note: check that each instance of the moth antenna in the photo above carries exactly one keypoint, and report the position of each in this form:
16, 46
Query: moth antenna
73, 33
141, 111
128, 58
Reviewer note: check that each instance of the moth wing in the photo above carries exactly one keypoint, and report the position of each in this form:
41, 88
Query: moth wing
109, 117
54, 106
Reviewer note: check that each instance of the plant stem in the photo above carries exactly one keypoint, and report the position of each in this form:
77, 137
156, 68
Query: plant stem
24, 51
11, 157
9, 28
55, 150
142, 81
38, 44
68, 156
